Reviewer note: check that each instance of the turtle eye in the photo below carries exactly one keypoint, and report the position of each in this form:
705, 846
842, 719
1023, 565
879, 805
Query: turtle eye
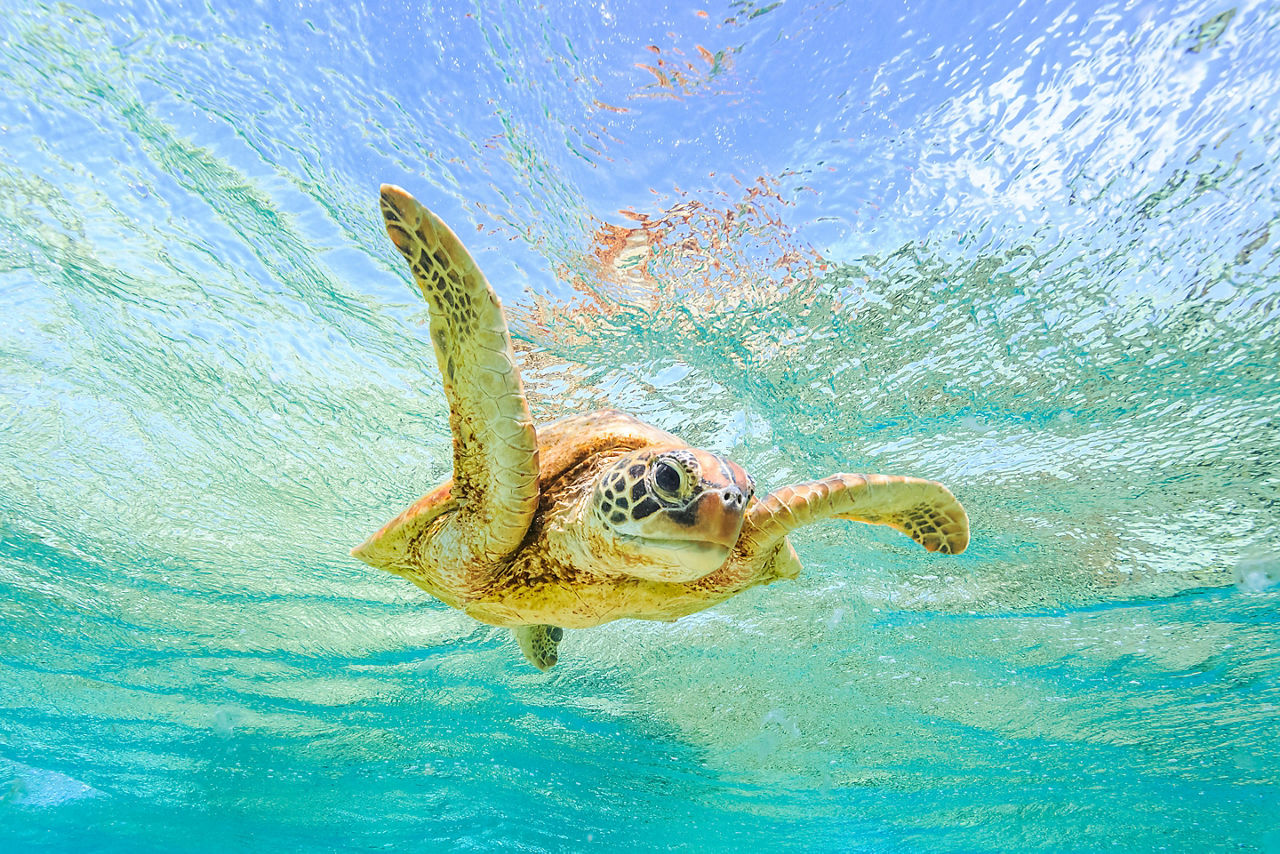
667, 479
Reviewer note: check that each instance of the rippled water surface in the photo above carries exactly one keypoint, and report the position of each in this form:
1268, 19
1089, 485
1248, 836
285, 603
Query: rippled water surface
1029, 250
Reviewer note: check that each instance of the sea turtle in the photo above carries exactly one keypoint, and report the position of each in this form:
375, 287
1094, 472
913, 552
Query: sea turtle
593, 517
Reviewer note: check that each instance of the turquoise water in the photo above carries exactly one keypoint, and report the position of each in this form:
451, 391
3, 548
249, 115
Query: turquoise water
1028, 250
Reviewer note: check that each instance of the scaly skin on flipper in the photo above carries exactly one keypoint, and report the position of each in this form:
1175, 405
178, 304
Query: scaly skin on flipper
924, 510
539, 644
495, 461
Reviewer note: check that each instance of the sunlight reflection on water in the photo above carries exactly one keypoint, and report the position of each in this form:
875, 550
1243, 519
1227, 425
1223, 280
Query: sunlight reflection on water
1027, 252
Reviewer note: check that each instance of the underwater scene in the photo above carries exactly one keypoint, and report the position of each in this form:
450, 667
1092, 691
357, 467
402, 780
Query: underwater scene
1030, 250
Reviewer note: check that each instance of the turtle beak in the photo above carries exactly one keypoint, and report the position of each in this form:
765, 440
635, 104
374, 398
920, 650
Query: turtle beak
720, 515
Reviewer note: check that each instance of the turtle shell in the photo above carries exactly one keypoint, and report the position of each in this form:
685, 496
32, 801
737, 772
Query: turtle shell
562, 445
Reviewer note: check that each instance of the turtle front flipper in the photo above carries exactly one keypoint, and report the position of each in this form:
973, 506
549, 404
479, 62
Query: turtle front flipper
539, 644
495, 457
924, 510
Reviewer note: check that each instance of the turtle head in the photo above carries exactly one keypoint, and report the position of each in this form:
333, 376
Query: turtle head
671, 515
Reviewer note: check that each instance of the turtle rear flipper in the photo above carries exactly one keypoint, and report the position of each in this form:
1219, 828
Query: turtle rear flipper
539, 644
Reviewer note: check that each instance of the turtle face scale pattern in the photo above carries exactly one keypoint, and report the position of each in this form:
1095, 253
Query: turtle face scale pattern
678, 512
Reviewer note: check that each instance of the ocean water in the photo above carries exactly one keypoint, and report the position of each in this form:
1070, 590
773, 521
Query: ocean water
1028, 249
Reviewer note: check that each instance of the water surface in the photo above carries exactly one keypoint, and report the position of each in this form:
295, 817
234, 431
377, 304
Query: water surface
1027, 250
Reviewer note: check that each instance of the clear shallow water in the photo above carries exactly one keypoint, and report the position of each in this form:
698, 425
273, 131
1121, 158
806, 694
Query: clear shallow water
1027, 251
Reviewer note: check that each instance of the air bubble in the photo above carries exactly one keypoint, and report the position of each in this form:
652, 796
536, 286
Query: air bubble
1258, 573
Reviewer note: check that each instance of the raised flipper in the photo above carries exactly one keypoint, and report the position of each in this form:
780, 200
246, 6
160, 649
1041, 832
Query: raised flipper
924, 510
495, 458
539, 644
